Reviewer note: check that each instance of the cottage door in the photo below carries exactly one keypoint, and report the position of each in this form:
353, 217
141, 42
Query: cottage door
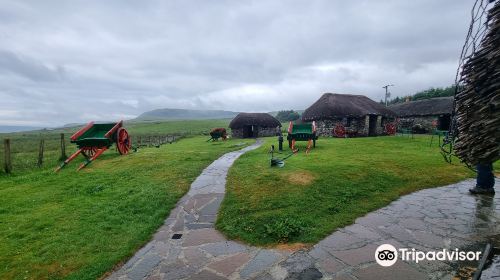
372, 126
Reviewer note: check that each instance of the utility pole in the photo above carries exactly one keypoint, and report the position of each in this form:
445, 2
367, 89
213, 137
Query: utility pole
387, 93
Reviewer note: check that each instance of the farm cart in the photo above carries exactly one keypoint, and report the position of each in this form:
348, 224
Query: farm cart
93, 139
217, 133
302, 132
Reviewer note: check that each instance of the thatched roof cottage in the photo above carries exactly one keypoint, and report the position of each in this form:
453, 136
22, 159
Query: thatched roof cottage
358, 114
248, 125
425, 115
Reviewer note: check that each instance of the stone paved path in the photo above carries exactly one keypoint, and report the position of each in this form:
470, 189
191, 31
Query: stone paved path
445, 217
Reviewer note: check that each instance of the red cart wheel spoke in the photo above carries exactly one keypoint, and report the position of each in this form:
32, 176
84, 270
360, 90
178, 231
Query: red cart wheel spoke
339, 131
89, 151
123, 142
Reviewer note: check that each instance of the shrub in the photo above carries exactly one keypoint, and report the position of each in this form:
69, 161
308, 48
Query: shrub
284, 229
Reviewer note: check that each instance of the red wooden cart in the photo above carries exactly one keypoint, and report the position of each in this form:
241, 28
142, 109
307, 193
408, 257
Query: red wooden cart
93, 139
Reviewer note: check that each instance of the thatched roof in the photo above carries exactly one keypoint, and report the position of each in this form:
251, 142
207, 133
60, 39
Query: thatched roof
333, 105
256, 119
426, 107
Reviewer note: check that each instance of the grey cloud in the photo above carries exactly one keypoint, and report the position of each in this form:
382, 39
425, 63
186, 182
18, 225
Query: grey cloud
28, 68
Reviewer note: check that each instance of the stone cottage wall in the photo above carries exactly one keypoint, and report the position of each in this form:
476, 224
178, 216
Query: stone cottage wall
237, 133
358, 125
418, 124
267, 131
325, 127
366, 127
261, 132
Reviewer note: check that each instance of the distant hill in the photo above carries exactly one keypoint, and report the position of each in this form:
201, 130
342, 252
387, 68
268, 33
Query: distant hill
185, 114
15, 128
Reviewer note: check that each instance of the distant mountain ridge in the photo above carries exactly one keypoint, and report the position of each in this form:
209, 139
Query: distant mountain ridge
185, 114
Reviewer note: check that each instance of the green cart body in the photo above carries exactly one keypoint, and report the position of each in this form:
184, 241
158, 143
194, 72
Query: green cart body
93, 139
302, 132
95, 136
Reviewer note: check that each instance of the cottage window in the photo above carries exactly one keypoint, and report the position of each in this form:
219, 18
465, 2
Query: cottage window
348, 121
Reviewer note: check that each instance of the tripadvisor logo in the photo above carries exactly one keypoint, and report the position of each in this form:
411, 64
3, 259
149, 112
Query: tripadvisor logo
387, 255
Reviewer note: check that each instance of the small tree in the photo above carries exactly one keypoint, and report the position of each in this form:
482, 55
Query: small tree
287, 116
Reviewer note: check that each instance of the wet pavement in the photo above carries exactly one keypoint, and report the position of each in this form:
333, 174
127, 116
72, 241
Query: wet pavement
188, 247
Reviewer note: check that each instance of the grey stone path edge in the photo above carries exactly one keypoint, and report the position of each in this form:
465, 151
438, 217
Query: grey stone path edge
445, 217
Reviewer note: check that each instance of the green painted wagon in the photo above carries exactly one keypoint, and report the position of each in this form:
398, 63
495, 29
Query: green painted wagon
302, 132
93, 139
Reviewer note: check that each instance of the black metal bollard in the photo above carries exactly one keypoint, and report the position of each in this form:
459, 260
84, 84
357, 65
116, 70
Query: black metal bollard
280, 143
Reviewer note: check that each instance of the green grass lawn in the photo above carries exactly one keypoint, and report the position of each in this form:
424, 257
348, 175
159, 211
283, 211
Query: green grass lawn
314, 194
78, 225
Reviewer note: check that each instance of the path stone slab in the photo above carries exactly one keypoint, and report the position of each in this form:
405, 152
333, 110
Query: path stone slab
357, 256
202, 236
144, 267
398, 232
399, 270
307, 274
264, 276
212, 207
362, 232
428, 239
413, 223
340, 241
229, 265
207, 219
199, 225
195, 257
224, 248
298, 262
344, 276
262, 261
375, 220
331, 265
206, 275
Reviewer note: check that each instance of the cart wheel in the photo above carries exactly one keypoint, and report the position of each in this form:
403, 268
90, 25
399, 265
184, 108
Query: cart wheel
339, 131
123, 142
390, 128
89, 152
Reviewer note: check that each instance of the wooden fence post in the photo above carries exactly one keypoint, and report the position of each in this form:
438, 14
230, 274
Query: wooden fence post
40, 153
63, 148
139, 141
7, 162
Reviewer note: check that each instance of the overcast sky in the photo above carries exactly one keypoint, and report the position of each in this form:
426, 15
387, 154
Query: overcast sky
76, 61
